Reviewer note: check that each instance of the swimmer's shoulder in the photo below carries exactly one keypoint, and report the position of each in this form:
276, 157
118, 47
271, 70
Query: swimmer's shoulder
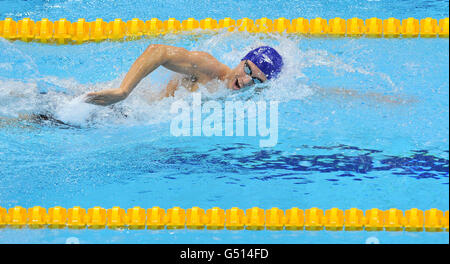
209, 67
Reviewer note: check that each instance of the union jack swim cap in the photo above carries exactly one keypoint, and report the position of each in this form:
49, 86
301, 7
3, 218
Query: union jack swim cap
267, 59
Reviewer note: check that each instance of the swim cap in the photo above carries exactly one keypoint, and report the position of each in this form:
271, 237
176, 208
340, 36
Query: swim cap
267, 59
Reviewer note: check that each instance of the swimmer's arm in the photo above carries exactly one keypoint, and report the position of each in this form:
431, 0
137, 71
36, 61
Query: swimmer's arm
173, 58
153, 57
167, 92
173, 85
170, 88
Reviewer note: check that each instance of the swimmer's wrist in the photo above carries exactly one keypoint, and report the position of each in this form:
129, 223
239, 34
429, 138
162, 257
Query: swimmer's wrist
122, 93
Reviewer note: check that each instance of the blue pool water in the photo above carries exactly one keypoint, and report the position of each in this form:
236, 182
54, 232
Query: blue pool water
385, 146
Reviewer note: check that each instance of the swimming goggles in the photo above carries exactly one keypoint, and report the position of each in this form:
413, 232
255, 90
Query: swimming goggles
249, 72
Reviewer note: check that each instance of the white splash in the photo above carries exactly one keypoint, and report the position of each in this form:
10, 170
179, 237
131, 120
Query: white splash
76, 111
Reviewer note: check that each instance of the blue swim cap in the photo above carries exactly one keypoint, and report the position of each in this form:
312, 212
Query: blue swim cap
267, 59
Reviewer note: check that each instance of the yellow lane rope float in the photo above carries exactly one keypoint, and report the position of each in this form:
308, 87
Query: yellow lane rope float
413, 220
65, 32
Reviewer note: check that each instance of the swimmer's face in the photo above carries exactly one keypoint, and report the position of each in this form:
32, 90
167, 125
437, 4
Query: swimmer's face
245, 74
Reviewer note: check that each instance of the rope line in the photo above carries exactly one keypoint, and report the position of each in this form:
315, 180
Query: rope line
413, 220
63, 31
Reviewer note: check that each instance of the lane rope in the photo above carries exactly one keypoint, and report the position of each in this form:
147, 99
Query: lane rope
63, 31
413, 220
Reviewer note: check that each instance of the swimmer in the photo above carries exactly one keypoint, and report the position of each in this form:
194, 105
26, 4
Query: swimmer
196, 67
258, 66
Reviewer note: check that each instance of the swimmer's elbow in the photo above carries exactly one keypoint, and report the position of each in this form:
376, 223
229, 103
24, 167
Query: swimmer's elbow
153, 47
154, 55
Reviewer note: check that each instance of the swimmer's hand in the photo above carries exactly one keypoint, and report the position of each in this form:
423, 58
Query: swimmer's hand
105, 97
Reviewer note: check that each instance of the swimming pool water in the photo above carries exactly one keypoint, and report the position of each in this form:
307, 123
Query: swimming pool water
385, 146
